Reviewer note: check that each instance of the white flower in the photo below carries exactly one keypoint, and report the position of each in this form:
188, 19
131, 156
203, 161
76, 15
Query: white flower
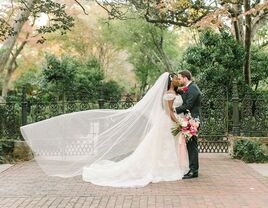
184, 123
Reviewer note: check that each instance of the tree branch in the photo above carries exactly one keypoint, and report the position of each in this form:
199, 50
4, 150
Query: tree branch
264, 44
172, 22
261, 18
83, 8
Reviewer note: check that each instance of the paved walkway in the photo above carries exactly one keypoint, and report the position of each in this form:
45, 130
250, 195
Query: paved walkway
4, 167
222, 183
262, 168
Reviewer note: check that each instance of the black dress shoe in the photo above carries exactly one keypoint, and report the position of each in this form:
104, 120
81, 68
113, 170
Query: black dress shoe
190, 175
187, 173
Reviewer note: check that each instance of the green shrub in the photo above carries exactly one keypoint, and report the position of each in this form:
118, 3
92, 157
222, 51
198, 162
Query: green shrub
214, 61
6, 150
67, 78
249, 151
1, 155
112, 89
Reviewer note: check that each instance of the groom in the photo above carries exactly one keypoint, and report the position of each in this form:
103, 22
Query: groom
192, 102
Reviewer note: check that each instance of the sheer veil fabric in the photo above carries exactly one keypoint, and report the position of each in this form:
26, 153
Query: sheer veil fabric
120, 148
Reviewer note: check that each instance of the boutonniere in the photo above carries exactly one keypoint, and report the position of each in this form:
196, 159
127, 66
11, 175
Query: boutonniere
185, 89
182, 90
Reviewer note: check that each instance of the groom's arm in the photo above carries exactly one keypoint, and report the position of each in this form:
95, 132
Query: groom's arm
192, 94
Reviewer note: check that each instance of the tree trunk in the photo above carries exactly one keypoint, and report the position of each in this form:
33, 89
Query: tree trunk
163, 53
7, 81
247, 43
12, 66
237, 23
8, 45
160, 48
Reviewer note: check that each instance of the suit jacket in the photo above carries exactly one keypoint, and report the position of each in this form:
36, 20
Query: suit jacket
191, 101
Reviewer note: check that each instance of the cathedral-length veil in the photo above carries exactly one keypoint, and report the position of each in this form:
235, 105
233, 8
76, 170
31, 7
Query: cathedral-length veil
64, 144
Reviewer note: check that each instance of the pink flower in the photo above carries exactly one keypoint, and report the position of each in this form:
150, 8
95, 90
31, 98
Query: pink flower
187, 126
193, 131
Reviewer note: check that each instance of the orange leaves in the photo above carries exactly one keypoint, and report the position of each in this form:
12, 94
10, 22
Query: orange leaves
214, 19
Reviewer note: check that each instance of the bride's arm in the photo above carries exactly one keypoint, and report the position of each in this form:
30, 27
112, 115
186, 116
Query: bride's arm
171, 111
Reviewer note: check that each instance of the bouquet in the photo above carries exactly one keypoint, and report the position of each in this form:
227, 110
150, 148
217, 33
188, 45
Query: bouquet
187, 125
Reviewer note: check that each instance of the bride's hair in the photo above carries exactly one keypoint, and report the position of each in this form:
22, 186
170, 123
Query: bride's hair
170, 77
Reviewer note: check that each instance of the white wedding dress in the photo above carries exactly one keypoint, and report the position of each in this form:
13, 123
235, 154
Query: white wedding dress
127, 148
155, 159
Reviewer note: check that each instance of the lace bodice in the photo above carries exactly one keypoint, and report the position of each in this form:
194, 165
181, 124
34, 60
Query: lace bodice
177, 99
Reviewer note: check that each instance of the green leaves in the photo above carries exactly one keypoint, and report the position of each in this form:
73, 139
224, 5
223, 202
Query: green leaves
75, 75
216, 59
6, 30
151, 49
249, 151
259, 65
166, 13
71, 73
59, 20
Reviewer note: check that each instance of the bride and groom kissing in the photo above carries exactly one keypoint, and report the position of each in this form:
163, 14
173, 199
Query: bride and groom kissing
125, 147
191, 101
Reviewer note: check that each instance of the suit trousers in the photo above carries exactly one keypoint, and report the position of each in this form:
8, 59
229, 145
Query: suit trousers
192, 147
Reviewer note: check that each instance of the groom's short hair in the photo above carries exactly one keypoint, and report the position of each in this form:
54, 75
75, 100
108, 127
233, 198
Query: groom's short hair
186, 73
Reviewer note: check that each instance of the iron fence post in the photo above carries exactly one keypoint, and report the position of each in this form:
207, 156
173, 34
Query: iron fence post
235, 100
101, 99
24, 106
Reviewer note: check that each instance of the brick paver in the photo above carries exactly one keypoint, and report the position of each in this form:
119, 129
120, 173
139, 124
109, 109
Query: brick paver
223, 182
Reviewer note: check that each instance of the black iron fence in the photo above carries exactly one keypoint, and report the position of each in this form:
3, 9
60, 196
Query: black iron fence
43, 105
222, 114
250, 113
215, 126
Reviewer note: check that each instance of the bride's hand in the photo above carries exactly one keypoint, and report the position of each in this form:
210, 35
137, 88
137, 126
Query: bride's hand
175, 120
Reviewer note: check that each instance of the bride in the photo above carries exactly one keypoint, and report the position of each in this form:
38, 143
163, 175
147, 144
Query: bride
118, 148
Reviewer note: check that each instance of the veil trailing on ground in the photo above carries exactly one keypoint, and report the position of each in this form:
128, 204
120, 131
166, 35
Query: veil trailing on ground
64, 144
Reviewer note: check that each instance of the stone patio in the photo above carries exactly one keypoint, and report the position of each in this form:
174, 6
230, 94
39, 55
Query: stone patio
223, 182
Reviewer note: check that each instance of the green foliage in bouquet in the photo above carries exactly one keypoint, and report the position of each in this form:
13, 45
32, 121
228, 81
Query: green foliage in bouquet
176, 130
